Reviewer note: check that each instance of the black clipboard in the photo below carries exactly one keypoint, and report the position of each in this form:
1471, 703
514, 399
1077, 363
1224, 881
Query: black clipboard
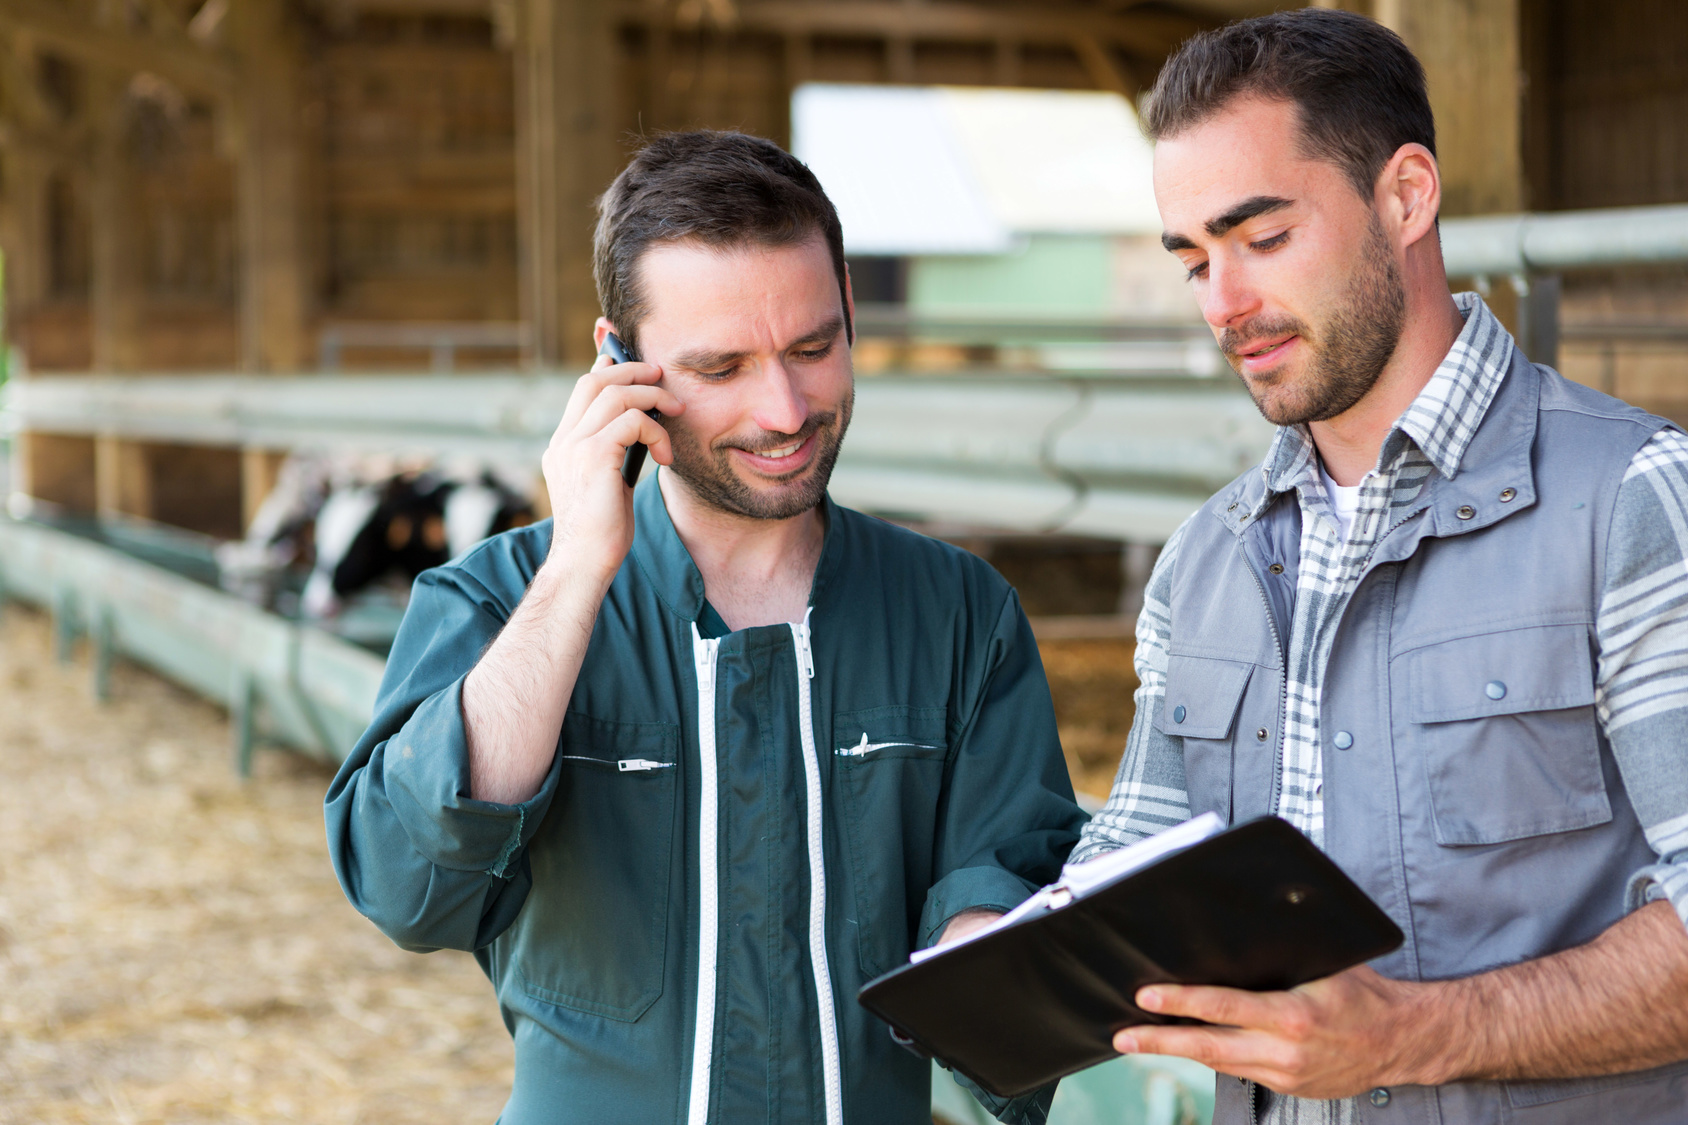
1256, 906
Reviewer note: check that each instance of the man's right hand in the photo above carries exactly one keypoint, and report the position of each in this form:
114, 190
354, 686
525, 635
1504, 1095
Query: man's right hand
591, 509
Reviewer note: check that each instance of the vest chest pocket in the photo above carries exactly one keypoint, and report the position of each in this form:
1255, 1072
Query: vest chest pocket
1203, 696
889, 762
1504, 722
593, 934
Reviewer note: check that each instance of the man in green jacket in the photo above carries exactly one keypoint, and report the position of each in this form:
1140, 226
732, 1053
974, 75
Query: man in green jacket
689, 764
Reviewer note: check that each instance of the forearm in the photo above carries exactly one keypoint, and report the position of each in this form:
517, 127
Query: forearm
1617, 1004
515, 698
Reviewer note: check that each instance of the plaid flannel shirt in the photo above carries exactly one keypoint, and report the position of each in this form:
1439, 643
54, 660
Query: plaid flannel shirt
1641, 689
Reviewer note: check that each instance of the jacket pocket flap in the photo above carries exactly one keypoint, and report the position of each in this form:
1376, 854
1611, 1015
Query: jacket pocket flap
1202, 696
879, 733
1508, 672
587, 740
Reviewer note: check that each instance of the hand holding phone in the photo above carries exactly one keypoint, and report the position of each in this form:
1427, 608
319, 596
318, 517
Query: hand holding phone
634, 460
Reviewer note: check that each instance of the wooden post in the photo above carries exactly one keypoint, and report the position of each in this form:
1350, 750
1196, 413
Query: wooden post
115, 289
23, 234
565, 157
1475, 92
122, 478
273, 306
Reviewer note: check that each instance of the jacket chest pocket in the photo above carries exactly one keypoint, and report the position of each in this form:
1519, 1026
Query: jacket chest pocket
1504, 722
1202, 699
593, 933
889, 763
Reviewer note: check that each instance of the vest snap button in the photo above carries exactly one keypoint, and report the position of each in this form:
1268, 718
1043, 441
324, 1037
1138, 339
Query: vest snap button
1379, 1097
1343, 740
1506, 495
1465, 511
1494, 689
1178, 713
1276, 568
1261, 734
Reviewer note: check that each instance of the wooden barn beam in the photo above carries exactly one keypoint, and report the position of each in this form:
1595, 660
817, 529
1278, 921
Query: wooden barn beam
269, 192
115, 291
1147, 33
180, 60
1475, 94
565, 156
1104, 70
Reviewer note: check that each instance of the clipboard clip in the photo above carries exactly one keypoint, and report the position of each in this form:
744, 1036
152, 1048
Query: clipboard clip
906, 1042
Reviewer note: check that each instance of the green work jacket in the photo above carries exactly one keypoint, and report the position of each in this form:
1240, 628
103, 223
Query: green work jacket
738, 830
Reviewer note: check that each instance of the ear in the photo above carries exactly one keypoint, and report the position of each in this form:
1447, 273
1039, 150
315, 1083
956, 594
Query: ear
1409, 193
601, 328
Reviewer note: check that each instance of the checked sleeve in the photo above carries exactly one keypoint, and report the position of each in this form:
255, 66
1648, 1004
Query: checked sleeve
1641, 688
1149, 792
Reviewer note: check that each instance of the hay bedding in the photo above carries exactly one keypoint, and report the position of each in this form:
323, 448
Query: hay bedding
173, 945
1092, 682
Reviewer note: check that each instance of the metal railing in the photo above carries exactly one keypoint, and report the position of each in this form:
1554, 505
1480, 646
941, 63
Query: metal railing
441, 339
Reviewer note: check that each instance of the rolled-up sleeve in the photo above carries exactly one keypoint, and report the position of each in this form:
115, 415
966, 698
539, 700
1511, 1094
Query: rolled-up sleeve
1641, 690
428, 864
1009, 816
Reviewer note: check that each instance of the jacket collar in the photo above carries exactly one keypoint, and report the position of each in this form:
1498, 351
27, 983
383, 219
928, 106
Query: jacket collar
663, 559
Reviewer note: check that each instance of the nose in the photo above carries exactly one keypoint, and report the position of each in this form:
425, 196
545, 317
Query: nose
780, 407
1229, 299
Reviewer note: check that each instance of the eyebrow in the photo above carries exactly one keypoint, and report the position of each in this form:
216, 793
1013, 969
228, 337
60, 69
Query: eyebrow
1223, 224
710, 361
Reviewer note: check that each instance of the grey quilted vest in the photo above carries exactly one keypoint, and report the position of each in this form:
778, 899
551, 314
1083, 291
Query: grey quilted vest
1491, 830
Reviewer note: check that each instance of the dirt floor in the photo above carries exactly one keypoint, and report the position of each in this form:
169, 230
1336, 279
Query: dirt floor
173, 945
1092, 682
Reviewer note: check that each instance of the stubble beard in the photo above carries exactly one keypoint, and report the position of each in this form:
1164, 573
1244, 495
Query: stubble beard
1349, 352
713, 479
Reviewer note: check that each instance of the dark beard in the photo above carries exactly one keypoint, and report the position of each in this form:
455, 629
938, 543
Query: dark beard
710, 475
1349, 355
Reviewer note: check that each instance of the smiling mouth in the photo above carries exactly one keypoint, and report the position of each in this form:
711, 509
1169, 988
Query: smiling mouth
782, 451
1266, 349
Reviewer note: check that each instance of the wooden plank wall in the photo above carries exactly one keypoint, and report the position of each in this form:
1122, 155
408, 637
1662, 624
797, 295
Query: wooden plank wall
1605, 124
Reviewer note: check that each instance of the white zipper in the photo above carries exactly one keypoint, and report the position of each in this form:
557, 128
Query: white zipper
863, 748
832, 1080
625, 765
704, 654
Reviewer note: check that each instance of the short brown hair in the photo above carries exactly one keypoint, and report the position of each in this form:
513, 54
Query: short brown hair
717, 188
1359, 90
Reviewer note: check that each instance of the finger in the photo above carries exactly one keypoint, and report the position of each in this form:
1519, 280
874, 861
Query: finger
1230, 1006
1218, 1048
616, 401
635, 426
603, 374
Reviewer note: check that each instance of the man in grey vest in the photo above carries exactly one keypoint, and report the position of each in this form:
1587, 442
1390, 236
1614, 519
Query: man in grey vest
1442, 628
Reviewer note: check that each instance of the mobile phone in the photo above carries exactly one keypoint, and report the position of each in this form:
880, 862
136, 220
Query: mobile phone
634, 459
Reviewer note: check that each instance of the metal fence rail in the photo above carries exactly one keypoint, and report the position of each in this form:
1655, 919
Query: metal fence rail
1123, 459
280, 680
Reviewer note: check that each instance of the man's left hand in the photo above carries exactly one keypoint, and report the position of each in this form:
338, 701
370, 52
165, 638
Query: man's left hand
968, 921
1331, 1038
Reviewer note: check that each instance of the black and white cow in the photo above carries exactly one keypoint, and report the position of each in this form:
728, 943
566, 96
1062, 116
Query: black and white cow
355, 529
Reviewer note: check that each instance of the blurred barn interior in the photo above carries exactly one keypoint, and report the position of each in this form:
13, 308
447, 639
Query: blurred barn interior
236, 230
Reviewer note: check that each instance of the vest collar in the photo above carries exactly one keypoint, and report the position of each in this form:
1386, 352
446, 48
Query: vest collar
1496, 460
1496, 479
